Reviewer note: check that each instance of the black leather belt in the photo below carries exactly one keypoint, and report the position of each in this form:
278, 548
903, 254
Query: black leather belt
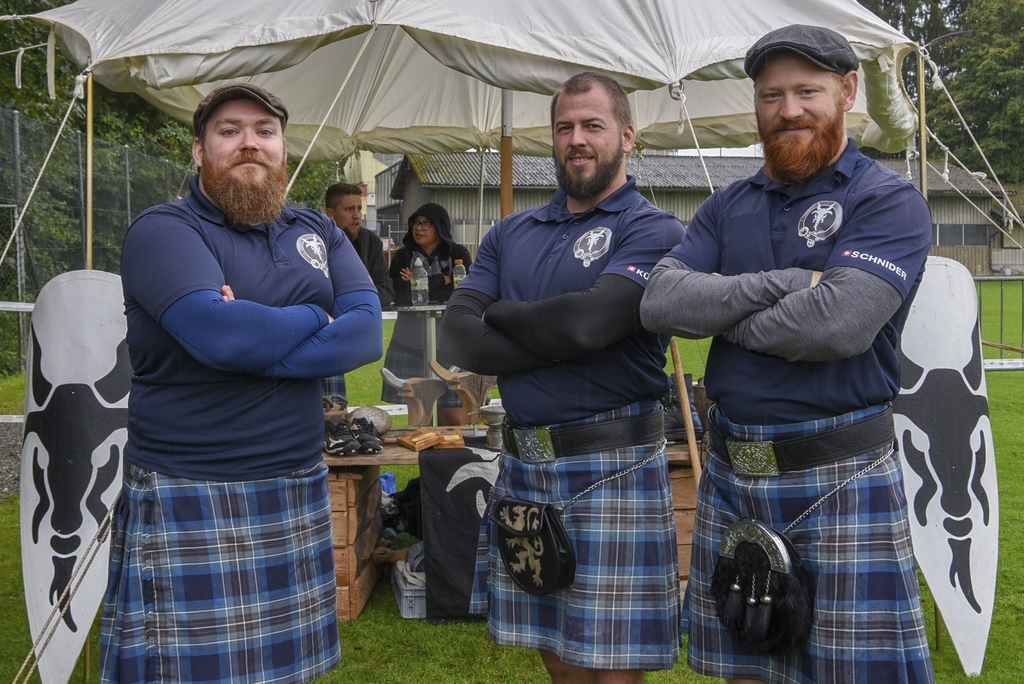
800, 453
535, 445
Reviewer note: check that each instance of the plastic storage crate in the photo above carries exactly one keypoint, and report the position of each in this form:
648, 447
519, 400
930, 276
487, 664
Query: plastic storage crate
412, 601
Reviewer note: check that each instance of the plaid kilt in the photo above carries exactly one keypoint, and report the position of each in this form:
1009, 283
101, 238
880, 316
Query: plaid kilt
220, 582
334, 386
622, 610
868, 623
408, 363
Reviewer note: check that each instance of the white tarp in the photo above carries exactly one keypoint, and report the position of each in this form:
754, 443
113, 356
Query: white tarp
416, 89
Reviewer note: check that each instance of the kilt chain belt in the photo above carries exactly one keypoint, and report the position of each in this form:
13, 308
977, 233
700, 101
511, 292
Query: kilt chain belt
799, 453
538, 445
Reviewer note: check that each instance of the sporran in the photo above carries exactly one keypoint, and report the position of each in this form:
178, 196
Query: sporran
763, 594
534, 545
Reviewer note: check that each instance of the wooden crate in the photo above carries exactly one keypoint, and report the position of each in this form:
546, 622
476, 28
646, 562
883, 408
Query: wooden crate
684, 501
355, 501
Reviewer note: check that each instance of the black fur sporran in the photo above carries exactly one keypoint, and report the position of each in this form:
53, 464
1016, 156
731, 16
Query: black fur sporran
762, 592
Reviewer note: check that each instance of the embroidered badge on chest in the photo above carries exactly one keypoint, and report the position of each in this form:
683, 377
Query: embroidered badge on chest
592, 245
312, 248
821, 220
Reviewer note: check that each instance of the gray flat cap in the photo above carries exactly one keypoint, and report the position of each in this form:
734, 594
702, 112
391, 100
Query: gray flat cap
824, 47
238, 91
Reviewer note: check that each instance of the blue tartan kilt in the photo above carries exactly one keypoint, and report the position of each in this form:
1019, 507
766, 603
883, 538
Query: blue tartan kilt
220, 581
622, 611
408, 363
868, 624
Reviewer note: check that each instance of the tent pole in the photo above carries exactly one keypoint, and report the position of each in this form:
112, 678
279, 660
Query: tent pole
923, 128
506, 153
88, 170
480, 209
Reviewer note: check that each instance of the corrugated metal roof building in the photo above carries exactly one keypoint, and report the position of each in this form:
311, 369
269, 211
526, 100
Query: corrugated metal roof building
467, 184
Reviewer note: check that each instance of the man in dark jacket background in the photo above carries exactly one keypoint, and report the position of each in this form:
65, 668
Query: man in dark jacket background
344, 203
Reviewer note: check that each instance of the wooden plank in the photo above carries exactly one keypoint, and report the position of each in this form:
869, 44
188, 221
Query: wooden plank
365, 543
392, 454
351, 561
349, 520
358, 593
345, 564
370, 478
684, 551
678, 453
344, 604
345, 527
341, 491
684, 524
684, 490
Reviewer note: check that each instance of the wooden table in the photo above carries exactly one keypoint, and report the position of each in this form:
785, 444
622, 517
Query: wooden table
354, 485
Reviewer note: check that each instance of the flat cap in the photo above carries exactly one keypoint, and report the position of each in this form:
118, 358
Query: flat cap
238, 91
820, 45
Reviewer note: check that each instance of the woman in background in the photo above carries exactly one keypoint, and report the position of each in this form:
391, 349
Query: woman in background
430, 237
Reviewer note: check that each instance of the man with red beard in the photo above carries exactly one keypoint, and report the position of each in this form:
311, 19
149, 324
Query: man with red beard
221, 563
804, 275
551, 307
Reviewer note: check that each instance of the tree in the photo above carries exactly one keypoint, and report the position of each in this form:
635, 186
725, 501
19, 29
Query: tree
922, 21
120, 118
987, 84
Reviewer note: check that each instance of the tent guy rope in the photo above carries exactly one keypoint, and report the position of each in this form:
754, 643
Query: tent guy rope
330, 109
63, 603
78, 93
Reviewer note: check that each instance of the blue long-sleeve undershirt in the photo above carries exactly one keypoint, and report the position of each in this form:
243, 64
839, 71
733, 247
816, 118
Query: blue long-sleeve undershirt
282, 342
355, 338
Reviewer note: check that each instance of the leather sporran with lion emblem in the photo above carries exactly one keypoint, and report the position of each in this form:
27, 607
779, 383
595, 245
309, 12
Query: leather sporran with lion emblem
534, 546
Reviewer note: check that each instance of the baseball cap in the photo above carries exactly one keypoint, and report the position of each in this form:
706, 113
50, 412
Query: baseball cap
824, 47
238, 91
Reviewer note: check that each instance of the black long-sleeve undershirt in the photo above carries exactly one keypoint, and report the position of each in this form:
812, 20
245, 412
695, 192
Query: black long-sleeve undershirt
501, 337
574, 324
470, 343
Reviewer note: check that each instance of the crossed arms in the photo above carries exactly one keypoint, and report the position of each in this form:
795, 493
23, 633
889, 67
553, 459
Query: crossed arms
784, 313
500, 337
299, 341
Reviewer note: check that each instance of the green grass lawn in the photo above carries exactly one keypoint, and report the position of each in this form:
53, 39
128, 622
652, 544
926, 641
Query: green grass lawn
382, 647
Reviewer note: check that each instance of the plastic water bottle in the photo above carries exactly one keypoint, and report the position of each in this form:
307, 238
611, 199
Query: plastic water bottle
420, 284
458, 273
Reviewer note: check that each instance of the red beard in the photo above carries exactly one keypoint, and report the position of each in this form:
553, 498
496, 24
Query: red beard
245, 199
793, 160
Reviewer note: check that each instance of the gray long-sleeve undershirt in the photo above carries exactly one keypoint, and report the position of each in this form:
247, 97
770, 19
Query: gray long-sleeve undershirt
773, 312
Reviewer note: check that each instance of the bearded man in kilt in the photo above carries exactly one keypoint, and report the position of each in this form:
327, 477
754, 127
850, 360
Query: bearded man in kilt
804, 275
222, 567
551, 307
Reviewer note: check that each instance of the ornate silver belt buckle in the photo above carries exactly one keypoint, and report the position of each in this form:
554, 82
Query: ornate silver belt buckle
753, 459
534, 445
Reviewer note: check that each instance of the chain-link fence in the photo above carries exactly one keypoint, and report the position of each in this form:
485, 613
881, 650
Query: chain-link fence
52, 237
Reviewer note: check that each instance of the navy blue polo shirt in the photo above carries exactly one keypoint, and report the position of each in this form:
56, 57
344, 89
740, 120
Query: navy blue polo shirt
549, 251
187, 419
861, 214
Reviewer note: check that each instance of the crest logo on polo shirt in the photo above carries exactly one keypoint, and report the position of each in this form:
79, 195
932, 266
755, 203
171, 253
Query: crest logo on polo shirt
312, 248
821, 220
592, 245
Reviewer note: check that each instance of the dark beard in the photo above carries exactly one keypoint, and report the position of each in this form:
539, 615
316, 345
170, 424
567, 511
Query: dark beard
581, 188
794, 161
245, 201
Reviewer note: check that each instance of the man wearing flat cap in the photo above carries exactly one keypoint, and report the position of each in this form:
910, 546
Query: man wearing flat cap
221, 562
803, 274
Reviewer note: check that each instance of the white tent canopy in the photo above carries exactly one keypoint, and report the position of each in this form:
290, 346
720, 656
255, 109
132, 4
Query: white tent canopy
429, 78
